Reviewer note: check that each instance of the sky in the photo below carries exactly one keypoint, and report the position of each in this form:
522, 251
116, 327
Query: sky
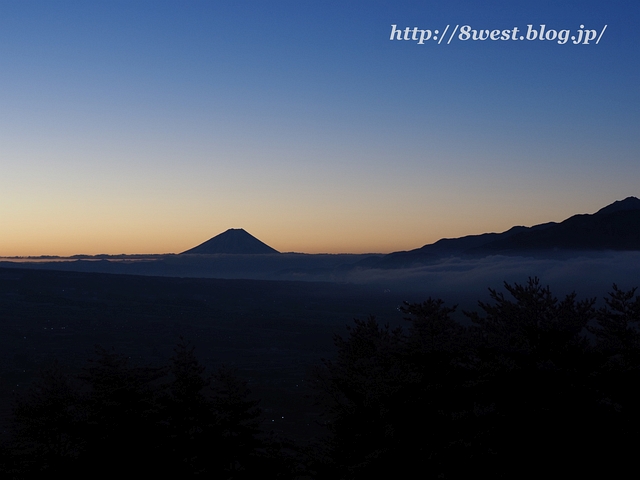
152, 126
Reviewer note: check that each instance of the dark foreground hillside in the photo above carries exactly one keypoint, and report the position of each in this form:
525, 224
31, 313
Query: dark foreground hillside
271, 331
530, 385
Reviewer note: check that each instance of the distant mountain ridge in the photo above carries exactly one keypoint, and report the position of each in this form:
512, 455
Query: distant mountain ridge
629, 203
614, 227
233, 241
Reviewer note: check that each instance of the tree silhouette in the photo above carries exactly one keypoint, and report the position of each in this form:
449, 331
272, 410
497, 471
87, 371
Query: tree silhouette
46, 424
212, 423
535, 386
385, 393
189, 413
122, 413
116, 415
618, 326
237, 422
534, 377
617, 377
523, 386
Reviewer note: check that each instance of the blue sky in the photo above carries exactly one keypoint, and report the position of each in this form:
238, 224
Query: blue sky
148, 127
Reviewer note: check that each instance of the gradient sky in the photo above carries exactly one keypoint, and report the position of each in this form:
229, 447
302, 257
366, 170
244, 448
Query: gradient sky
151, 126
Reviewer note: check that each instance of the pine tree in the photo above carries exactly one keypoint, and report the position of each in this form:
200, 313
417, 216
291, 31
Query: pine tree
238, 425
122, 412
46, 424
192, 434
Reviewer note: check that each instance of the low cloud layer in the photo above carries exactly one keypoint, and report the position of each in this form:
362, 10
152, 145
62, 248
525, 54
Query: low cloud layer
587, 274
455, 279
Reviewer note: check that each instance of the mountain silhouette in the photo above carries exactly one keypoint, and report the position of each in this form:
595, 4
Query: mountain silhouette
614, 227
235, 241
629, 203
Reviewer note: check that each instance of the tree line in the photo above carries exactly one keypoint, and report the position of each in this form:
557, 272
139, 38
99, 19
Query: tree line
533, 385
115, 417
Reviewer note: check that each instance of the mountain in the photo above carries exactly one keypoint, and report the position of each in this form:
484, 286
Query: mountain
235, 241
614, 227
629, 203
